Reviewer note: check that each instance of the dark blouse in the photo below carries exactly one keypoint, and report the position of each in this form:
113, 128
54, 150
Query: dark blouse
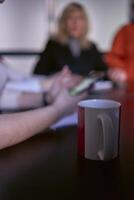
56, 55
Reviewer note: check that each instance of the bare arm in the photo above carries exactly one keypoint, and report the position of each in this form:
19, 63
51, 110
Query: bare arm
18, 127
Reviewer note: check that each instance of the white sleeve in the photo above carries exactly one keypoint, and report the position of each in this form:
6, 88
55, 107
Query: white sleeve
3, 77
9, 99
27, 85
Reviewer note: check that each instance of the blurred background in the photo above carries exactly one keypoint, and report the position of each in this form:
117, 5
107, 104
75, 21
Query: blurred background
26, 25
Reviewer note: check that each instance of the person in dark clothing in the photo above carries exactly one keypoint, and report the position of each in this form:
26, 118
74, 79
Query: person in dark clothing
70, 46
56, 55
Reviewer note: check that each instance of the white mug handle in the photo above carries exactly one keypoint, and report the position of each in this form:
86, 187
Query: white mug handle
106, 152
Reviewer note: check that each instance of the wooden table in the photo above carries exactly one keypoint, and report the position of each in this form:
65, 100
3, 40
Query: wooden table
47, 166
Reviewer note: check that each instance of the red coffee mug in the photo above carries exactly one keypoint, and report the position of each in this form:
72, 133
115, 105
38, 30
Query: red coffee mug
98, 129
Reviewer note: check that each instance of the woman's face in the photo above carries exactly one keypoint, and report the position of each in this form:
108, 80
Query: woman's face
76, 24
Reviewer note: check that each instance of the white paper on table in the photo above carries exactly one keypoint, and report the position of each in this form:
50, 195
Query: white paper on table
103, 85
66, 121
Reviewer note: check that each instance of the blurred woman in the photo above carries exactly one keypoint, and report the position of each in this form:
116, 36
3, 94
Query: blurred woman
70, 46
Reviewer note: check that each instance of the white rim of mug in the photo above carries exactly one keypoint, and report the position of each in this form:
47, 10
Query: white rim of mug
112, 104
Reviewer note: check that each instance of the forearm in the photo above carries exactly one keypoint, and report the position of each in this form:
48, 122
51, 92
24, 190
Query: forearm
20, 100
30, 100
18, 127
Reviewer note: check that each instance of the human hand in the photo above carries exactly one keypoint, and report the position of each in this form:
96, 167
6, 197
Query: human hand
66, 104
64, 79
47, 82
117, 75
69, 79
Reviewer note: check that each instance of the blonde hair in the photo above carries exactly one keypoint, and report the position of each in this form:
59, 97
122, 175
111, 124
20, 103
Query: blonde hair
62, 34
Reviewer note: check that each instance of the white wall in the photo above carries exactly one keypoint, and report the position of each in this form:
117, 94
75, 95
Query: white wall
106, 18
24, 24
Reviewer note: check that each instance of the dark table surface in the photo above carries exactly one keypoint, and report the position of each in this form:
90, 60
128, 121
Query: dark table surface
47, 166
